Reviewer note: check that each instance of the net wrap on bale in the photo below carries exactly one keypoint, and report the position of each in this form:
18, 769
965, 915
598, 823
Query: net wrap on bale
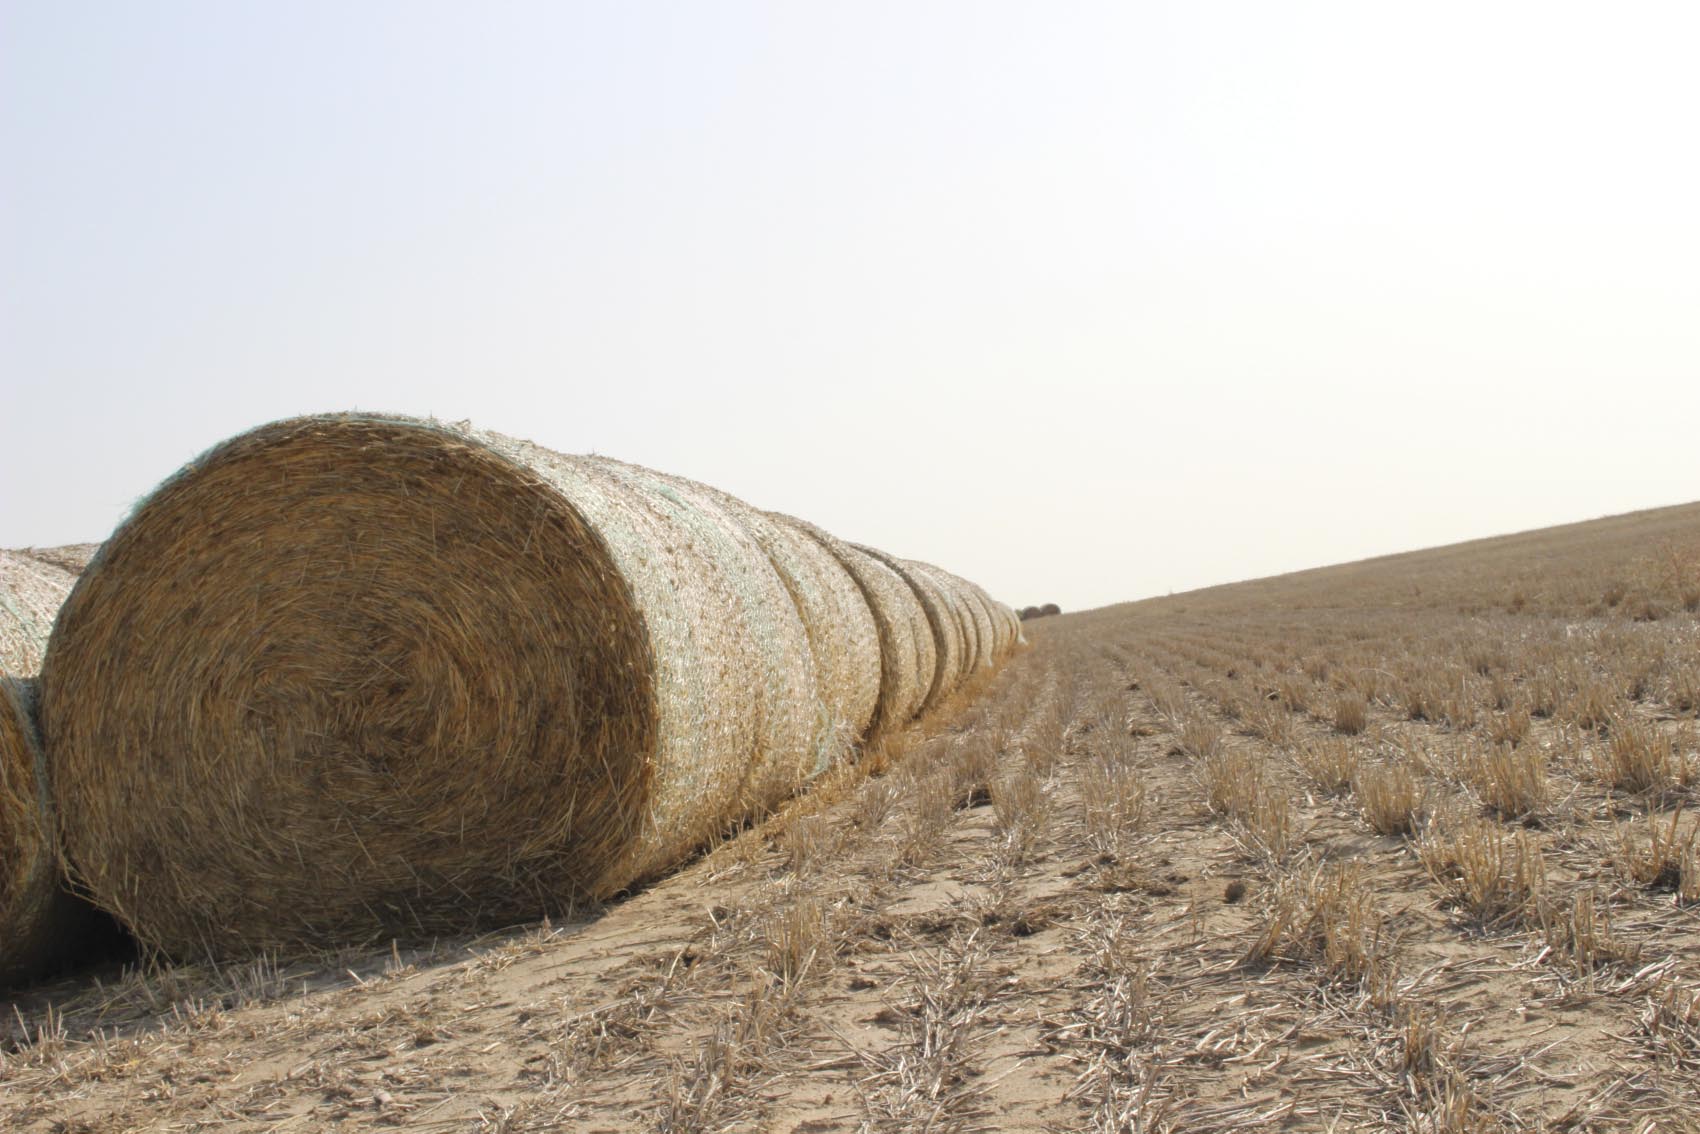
906, 656
350, 676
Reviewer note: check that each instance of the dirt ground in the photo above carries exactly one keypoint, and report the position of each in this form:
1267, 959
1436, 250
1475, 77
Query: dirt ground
1403, 847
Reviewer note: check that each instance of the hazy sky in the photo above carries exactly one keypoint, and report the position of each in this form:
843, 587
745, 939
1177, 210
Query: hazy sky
1085, 302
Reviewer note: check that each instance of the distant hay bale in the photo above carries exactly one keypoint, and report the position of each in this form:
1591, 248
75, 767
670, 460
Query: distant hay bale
1010, 624
840, 639
1001, 619
1028, 613
351, 676
72, 557
1050, 608
906, 656
951, 647
791, 743
906, 636
35, 911
960, 599
979, 607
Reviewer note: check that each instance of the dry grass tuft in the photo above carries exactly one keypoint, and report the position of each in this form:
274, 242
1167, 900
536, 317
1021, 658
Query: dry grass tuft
875, 801
1267, 720
1492, 877
1113, 801
1511, 727
1640, 759
925, 1081
1351, 714
1020, 811
1665, 859
1328, 919
1332, 765
1114, 1034
1391, 800
703, 1093
1200, 737
1511, 782
1670, 1026
1592, 705
1580, 931
1259, 812
793, 938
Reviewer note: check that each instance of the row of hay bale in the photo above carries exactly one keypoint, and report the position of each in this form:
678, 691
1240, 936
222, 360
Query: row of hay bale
351, 676
36, 911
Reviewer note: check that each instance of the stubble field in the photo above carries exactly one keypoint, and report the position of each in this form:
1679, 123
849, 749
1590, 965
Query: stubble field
1395, 845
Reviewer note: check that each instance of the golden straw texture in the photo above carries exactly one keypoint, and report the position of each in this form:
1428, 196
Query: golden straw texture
350, 676
906, 657
843, 635
842, 638
955, 600
948, 644
33, 906
72, 557
763, 655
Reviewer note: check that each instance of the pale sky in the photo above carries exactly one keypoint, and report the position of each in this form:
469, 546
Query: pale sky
1086, 302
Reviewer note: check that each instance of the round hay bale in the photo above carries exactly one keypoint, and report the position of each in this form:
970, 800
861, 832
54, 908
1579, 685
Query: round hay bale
985, 628
840, 623
907, 655
1011, 625
36, 913
957, 600
72, 557
992, 613
1003, 619
949, 647
352, 676
773, 621
842, 637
